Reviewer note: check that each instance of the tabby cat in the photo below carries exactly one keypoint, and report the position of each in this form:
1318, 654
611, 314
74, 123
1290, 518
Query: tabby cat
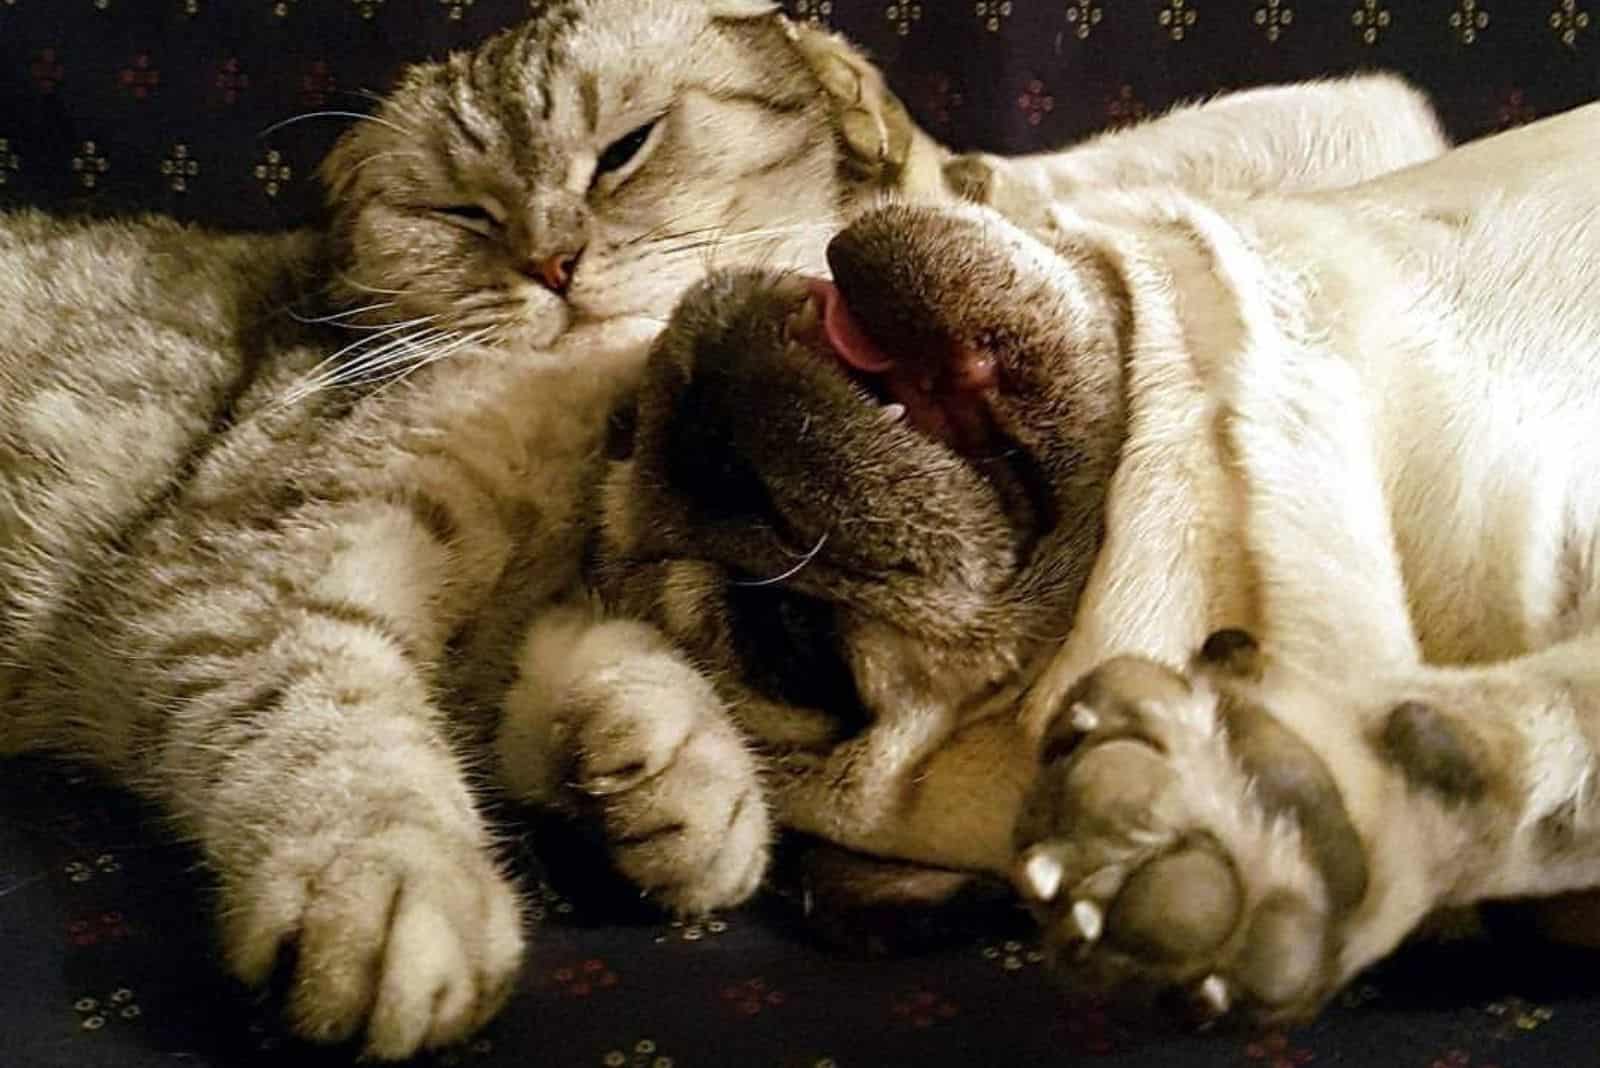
291, 526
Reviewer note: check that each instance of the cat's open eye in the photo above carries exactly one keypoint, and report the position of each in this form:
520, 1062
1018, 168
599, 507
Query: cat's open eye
620, 152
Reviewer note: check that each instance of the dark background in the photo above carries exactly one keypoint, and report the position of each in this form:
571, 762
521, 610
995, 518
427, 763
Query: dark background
168, 104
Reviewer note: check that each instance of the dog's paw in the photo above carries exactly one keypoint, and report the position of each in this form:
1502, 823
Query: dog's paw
1182, 845
655, 759
407, 939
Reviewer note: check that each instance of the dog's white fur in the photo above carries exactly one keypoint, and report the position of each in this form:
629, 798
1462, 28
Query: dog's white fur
1363, 426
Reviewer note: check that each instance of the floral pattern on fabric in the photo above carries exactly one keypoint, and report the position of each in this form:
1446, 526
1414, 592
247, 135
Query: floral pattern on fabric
203, 108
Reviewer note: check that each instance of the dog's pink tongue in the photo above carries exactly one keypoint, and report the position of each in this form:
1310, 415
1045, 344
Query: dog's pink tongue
844, 334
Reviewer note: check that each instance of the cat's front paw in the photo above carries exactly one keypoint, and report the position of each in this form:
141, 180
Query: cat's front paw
405, 939
657, 762
1183, 845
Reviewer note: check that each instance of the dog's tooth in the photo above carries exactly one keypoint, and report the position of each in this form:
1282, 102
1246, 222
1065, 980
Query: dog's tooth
1215, 998
1041, 875
892, 413
804, 319
1088, 919
1084, 718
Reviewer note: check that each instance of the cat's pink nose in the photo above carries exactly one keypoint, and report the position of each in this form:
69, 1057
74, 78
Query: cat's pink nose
555, 272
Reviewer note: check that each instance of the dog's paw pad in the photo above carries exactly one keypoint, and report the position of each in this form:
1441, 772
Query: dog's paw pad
1160, 865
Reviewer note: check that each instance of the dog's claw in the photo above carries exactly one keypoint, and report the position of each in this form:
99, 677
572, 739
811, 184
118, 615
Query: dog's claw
1041, 875
1088, 919
1214, 996
1084, 718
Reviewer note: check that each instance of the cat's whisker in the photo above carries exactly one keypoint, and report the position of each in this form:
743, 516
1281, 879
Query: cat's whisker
360, 116
662, 229
791, 572
334, 360
332, 373
374, 156
434, 356
334, 317
661, 233
365, 288
740, 237
397, 350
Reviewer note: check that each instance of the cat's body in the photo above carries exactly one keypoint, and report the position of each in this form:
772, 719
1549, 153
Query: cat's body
276, 512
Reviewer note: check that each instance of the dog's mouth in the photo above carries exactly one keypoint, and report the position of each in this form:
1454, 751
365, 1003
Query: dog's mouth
941, 390
941, 387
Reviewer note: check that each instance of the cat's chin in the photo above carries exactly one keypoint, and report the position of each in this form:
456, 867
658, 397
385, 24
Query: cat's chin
547, 327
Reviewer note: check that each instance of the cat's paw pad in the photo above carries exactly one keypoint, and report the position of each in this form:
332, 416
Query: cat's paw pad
404, 940
656, 760
1181, 846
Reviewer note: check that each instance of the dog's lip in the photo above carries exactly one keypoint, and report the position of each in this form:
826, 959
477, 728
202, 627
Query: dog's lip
943, 390
947, 392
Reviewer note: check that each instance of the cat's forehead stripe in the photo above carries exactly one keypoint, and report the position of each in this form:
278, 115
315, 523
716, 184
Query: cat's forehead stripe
589, 96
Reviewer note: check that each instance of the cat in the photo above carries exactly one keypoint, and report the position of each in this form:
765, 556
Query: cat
291, 525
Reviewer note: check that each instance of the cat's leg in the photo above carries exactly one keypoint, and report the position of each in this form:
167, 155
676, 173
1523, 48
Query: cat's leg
608, 721
1253, 836
280, 687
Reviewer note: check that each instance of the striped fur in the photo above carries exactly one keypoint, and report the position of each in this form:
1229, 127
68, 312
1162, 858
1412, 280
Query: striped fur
288, 523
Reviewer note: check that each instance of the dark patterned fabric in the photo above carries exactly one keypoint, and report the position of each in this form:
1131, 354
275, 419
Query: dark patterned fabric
105, 963
178, 106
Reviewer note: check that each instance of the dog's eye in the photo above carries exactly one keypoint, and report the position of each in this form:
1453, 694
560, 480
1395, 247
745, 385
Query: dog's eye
789, 646
623, 149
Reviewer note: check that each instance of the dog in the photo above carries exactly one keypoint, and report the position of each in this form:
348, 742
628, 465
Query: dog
1221, 565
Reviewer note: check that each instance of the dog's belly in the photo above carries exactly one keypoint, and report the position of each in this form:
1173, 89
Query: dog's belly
1491, 431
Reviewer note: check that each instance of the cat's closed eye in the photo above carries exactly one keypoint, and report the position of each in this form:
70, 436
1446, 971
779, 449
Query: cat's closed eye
620, 152
474, 217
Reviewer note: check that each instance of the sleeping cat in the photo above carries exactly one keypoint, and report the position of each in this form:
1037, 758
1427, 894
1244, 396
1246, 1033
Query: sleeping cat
286, 521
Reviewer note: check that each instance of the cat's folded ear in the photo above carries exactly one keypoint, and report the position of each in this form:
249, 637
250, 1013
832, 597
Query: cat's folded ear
741, 9
885, 146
